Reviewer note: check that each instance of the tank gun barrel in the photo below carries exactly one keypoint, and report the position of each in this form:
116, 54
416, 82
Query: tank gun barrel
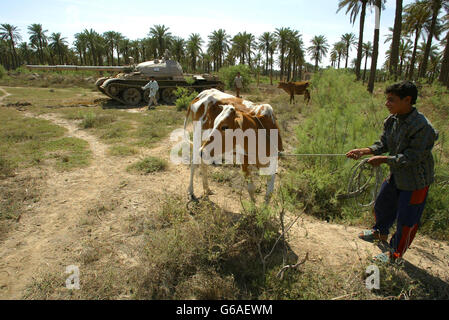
77, 68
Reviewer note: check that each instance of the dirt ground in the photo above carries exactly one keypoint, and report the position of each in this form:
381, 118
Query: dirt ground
54, 232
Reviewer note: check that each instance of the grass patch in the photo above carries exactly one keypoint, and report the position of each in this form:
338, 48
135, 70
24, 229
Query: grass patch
148, 165
122, 151
26, 142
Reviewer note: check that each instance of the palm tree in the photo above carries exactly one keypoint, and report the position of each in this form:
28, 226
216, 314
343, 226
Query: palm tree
318, 49
240, 46
434, 6
340, 49
178, 49
118, 37
109, 37
349, 40
354, 7
38, 39
59, 45
397, 30
405, 50
333, 57
272, 50
296, 54
81, 46
265, 41
444, 73
25, 52
11, 33
219, 45
91, 41
282, 35
415, 16
162, 36
251, 44
194, 48
367, 52
372, 75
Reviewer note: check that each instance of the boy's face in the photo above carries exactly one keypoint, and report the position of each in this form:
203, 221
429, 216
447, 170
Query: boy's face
396, 105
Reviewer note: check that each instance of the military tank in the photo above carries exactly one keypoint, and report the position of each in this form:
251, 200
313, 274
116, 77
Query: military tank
126, 86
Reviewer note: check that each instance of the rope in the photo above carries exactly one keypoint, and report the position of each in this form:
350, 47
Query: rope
358, 182
282, 154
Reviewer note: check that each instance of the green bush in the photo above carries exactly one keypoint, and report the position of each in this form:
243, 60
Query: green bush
92, 120
2, 72
228, 74
185, 97
148, 165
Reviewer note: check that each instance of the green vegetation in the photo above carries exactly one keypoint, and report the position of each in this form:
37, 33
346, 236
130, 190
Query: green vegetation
26, 142
2, 72
185, 97
148, 165
228, 74
344, 116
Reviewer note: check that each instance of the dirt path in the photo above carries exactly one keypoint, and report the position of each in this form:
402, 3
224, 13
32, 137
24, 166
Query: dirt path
5, 94
52, 236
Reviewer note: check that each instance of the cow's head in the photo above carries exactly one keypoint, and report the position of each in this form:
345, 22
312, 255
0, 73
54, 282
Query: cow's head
228, 119
282, 85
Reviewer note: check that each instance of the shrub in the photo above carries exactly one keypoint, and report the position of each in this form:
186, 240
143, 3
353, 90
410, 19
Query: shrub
228, 74
92, 120
6, 167
2, 72
185, 97
149, 165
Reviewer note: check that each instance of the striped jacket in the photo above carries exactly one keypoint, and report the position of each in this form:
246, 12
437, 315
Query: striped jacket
409, 140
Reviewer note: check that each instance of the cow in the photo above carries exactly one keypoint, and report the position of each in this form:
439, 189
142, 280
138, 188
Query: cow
263, 154
293, 88
204, 110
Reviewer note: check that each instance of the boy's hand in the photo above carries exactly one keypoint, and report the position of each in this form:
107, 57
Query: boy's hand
356, 154
377, 160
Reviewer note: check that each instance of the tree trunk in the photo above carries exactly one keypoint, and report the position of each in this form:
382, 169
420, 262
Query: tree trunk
364, 71
444, 74
396, 40
412, 61
360, 46
372, 75
436, 6
347, 57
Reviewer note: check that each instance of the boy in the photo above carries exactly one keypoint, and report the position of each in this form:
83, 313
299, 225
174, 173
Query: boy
408, 137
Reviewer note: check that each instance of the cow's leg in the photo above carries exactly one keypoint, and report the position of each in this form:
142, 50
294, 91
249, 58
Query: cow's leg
192, 173
270, 188
307, 96
206, 189
249, 181
292, 98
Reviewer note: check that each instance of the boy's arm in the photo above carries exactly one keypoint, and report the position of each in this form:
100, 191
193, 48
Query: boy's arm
421, 144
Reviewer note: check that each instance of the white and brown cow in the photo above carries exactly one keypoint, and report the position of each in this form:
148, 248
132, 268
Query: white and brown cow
214, 110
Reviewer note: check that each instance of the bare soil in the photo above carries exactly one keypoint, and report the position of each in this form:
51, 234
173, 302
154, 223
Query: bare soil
100, 204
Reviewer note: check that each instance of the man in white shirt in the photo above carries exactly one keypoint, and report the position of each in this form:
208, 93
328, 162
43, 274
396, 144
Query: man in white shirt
154, 87
238, 83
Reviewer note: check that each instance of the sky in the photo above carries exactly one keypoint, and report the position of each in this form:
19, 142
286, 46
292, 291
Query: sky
134, 18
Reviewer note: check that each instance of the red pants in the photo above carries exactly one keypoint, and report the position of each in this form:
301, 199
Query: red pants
403, 207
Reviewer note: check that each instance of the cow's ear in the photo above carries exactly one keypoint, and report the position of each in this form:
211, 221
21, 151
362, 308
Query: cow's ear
239, 121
